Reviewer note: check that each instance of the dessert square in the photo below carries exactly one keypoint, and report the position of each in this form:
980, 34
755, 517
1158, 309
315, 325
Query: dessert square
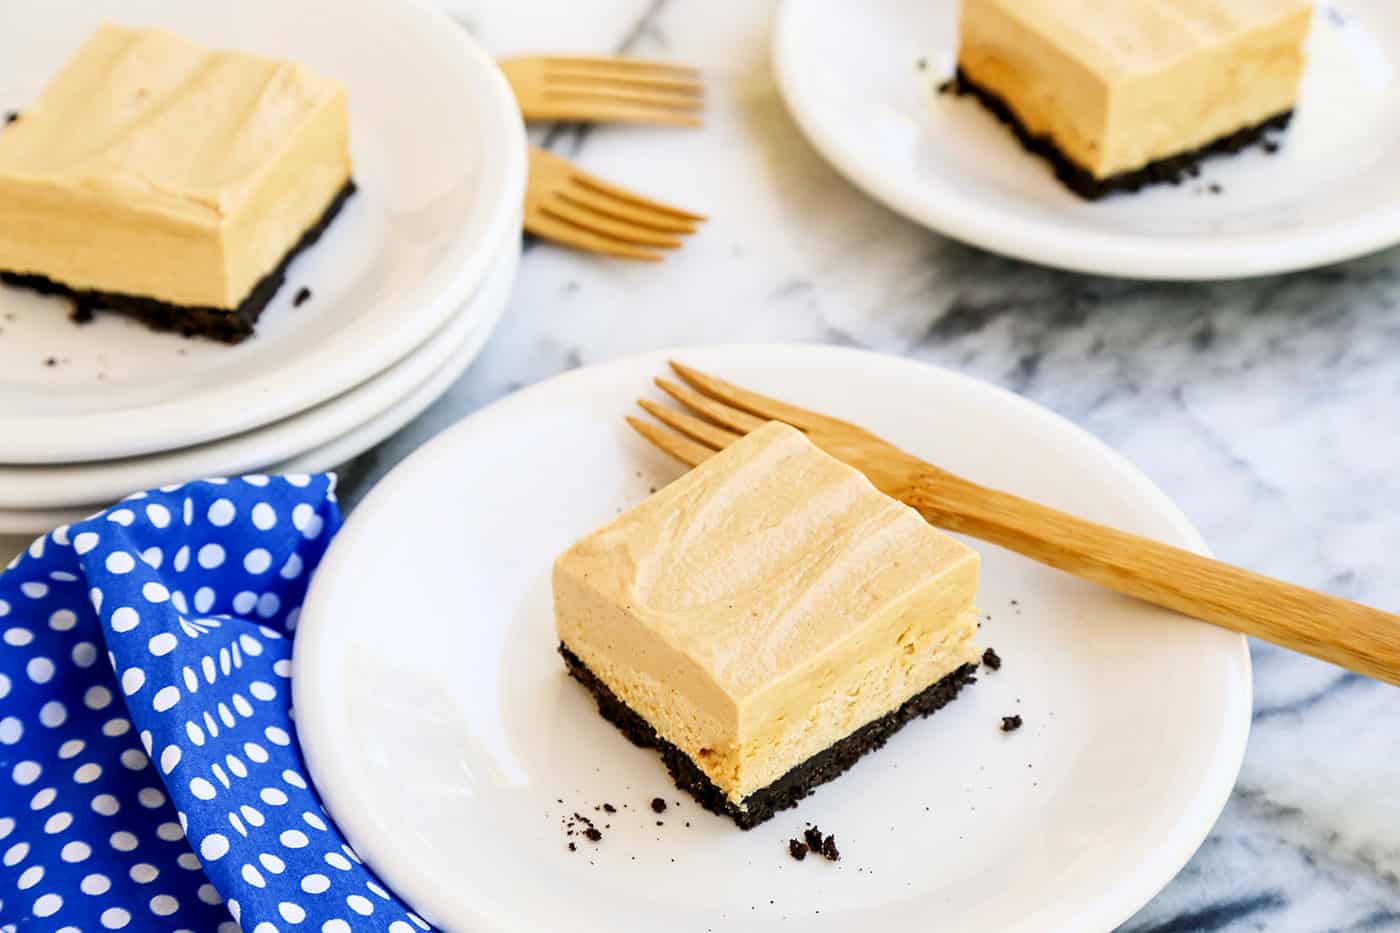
174, 183
1118, 95
766, 620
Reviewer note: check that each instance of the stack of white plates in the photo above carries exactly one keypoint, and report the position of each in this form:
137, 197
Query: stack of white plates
406, 285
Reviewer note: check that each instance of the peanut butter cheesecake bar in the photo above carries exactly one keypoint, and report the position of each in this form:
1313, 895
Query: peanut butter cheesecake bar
1121, 95
173, 183
765, 621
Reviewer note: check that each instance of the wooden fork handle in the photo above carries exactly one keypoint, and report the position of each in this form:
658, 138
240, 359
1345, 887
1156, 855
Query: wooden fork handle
1349, 634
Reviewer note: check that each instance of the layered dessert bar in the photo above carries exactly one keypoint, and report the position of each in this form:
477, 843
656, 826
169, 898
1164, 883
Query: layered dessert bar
765, 621
1118, 95
158, 178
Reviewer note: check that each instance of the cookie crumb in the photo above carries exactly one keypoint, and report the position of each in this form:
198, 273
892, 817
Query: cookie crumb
580, 825
302, 295
991, 659
51, 361
82, 311
814, 838
829, 850
797, 849
658, 805
1010, 723
609, 808
1271, 147
573, 847
11, 116
1215, 188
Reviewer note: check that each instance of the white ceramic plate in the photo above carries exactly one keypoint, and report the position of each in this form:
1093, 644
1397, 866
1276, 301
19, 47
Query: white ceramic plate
449, 744
81, 484
436, 198
848, 72
453, 354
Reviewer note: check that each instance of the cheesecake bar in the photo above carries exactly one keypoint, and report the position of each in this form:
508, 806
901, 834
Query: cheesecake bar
1119, 95
159, 178
766, 620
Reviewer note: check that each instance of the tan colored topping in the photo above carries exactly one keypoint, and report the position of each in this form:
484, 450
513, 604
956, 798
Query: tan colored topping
766, 605
153, 166
1120, 84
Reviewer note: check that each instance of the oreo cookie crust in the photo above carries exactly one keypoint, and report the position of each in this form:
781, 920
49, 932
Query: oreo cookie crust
1172, 170
228, 326
798, 783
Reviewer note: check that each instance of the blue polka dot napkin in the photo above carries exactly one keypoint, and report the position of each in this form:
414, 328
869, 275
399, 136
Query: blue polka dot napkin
150, 778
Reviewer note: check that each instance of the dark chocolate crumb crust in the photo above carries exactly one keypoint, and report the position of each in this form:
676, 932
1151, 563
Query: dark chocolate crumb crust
813, 841
790, 789
1172, 170
228, 326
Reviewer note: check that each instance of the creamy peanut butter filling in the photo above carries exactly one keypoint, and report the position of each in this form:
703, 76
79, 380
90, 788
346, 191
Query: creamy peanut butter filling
155, 167
766, 605
1118, 85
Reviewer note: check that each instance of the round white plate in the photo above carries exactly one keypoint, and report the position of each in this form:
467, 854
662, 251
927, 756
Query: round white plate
437, 196
449, 745
849, 74
81, 484
453, 357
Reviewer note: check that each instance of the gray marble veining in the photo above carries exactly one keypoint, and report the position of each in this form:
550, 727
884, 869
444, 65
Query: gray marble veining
1269, 409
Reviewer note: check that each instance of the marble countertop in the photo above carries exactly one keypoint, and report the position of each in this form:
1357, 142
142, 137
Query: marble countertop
1269, 409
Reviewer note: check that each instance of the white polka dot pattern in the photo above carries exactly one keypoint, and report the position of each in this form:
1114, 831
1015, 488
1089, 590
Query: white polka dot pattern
163, 789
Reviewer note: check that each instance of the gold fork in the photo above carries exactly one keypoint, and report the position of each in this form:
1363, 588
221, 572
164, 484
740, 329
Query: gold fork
565, 204
1354, 636
605, 89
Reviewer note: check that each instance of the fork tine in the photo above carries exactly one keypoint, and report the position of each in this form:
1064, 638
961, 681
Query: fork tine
689, 425
636, 97
751, 402
718, 412
594, 183
682, 448
589, 200
570, 79
559, 231
605, 64
607, 226
610, 112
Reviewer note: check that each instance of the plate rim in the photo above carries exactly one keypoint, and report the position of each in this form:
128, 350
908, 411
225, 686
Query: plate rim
249, 449
332, 453
314, 628
374, 431
146, 429
969, 220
